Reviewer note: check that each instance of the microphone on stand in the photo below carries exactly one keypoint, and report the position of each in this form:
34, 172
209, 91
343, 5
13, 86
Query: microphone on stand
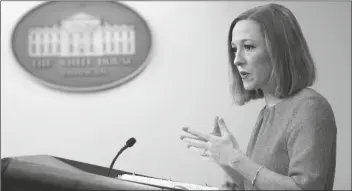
129, 143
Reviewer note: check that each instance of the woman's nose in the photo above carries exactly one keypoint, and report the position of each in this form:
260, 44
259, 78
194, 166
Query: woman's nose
238, 60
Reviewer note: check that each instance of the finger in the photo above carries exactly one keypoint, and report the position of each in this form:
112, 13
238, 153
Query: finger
197, 150
197, 133
206, 158
222, 126
191, 137
216, 130
196, 143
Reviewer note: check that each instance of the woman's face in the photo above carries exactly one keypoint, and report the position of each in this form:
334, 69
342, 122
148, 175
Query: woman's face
250, 55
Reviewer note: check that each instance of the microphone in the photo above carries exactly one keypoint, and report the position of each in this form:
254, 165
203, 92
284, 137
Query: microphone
129, 143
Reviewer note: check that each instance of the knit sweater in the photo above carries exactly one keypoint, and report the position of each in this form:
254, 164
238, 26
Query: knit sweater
297, 138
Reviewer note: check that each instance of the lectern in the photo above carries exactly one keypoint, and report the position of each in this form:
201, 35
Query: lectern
44, 172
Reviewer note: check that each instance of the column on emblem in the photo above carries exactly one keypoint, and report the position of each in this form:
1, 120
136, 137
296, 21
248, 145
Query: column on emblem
131, 49
36, 43
54, 41
125, 40
76, 45
91, 43
33, 43
108, 40
46, 41
70, 44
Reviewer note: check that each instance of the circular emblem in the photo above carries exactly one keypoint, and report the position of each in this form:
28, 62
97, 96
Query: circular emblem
82, 46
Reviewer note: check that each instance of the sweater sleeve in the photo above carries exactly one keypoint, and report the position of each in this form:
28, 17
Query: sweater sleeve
311, 145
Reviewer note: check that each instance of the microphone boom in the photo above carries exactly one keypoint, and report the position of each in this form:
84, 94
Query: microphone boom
130, 142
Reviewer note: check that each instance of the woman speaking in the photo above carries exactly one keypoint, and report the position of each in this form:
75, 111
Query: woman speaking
293, 144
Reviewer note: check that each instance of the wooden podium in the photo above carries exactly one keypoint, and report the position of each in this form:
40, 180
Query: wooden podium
44, 172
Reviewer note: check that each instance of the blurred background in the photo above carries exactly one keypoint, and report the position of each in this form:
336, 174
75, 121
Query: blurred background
184, 84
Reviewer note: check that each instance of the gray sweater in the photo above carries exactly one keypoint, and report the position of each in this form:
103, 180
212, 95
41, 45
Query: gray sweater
297, 138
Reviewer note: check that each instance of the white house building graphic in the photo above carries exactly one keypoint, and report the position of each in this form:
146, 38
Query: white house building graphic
81, 35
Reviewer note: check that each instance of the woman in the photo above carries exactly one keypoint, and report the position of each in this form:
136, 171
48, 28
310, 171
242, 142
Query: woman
293, 144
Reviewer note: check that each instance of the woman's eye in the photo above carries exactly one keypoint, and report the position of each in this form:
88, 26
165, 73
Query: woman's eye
234, 50
248, 47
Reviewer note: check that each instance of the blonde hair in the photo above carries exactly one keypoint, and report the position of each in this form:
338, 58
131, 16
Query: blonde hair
292, 63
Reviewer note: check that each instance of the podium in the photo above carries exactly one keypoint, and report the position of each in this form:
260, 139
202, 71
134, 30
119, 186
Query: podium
44, 172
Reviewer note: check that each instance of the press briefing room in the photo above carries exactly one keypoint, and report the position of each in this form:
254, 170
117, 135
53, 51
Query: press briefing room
175, 95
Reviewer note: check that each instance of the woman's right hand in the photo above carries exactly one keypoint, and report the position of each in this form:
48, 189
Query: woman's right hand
217, 132
233, 180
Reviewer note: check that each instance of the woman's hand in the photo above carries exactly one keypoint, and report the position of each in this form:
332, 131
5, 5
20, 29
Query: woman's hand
219, 145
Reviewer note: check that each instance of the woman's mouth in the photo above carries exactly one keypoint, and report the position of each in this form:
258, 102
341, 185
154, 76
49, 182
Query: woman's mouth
244, 74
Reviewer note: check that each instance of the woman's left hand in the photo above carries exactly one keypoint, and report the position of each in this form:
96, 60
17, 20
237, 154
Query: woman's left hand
223, 148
